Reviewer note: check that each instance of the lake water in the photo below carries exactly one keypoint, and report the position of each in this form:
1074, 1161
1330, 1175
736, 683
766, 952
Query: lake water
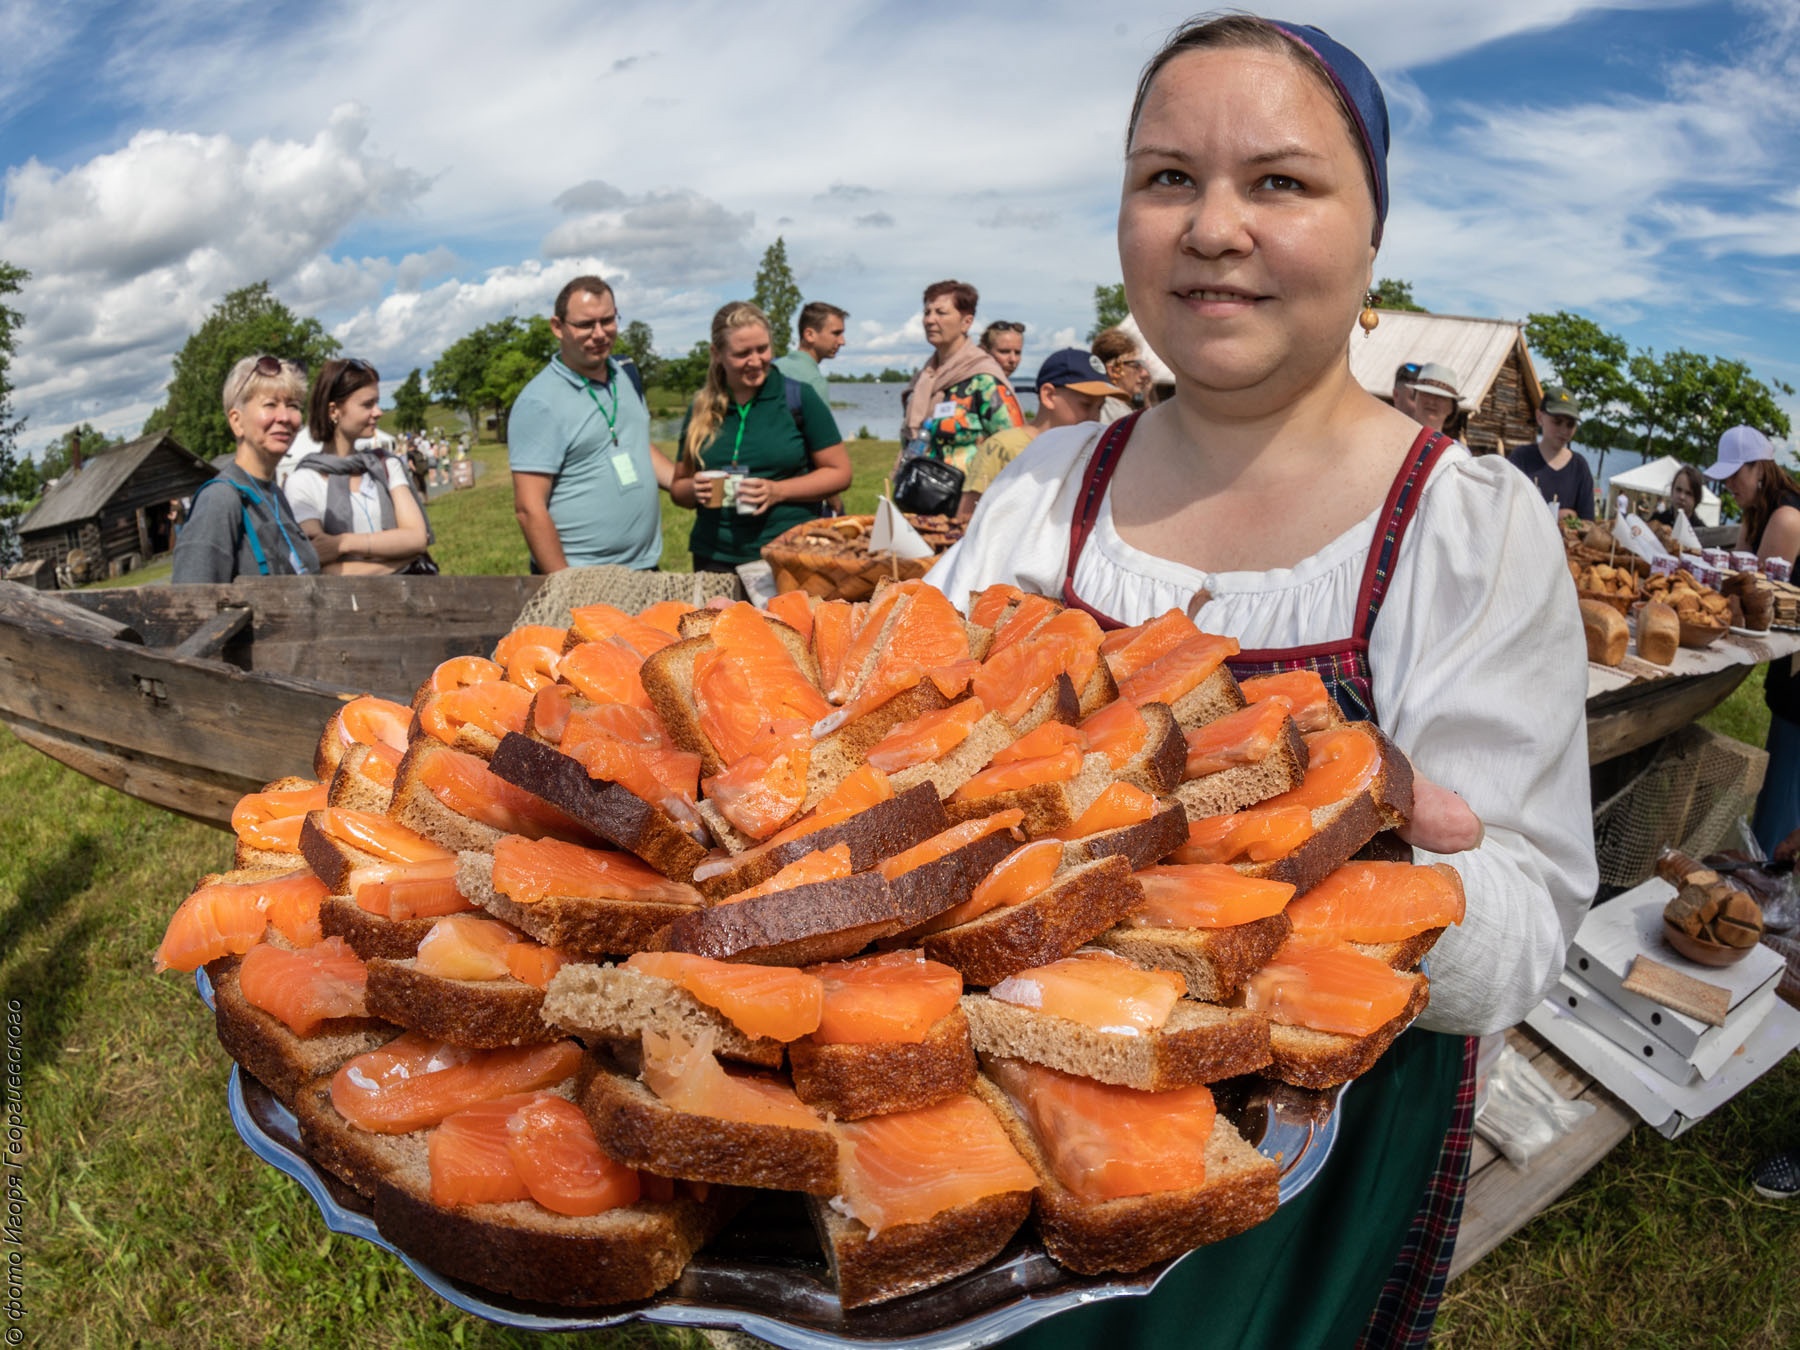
875, 406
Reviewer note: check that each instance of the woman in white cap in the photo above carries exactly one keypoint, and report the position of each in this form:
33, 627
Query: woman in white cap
1435, 394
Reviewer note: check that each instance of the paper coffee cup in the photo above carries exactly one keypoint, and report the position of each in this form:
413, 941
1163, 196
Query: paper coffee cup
710, 482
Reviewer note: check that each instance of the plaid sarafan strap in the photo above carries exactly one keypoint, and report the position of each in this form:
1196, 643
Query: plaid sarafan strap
1087, 510
1402, 505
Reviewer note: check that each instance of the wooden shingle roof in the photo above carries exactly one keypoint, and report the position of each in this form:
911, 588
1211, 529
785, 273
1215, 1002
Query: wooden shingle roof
81, 496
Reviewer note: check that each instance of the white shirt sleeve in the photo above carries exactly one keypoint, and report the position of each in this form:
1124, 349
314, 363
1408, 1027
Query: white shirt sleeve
306, 494
1481, 678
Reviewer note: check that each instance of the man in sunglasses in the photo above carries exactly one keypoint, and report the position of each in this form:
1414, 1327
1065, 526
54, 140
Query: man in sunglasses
586, 480
1404, 375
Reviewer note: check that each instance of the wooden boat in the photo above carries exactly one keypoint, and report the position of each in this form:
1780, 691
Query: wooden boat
190, 696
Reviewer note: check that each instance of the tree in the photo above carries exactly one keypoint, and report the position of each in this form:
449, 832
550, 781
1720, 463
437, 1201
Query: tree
1682, 402
638, 343
1392, 293
410, 402
777, 295
1591, 363
11, 499
1110, 309
247, 322
459, 376
685, 374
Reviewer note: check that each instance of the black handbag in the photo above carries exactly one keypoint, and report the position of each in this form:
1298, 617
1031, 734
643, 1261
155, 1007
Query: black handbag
928, 487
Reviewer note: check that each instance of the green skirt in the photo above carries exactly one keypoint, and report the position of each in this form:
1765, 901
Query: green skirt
1311, 1275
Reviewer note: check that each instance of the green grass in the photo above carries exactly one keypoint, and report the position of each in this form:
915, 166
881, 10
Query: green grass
1744, 716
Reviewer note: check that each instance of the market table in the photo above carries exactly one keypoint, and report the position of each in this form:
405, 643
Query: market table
1636, 703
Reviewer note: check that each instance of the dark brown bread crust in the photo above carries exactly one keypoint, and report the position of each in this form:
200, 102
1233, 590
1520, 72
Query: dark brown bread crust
1045, 928
826, 921
480, 1014
356, 1157
1147, 842
613, 813
265, 1049
1158, 766
928, 891
1046, 806
1215, 962
1318, 1059
331, 862
1059, 703
884, 830
872, 1269
1242, 1188
640, 1131
580, 929
1200, 1043
370, 935
880, 1078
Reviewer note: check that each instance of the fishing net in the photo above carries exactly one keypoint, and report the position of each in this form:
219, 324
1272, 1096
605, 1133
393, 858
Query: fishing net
622, 588
1690, 795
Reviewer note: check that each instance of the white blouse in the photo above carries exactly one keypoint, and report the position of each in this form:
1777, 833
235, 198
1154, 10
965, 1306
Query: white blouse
1480, 676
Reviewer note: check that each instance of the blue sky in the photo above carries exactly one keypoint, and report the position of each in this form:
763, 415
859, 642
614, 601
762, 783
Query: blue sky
406, 172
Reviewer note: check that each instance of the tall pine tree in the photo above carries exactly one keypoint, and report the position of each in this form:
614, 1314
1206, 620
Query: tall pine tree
778, 295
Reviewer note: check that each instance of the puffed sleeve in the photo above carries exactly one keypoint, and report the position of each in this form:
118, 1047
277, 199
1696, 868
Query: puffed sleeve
1481, 678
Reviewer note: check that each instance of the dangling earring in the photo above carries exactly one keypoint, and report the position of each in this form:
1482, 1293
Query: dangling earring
1369, 319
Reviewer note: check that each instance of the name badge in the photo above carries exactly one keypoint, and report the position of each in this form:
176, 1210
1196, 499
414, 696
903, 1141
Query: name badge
627, 471
943, 410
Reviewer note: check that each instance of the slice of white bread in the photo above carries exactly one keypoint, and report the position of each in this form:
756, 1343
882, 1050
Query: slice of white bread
579, 928
1200, 1043
614, 1003
878, 1078
1215, 962
873, 1268
1142, 844
418, 808
1084, 901
612, 813
1233, 789
1323, 1059
477, 1014
823, 921
1128, 1234
640, 1130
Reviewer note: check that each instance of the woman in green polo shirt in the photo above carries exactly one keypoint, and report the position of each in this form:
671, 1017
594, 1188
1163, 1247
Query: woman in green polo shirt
753, 461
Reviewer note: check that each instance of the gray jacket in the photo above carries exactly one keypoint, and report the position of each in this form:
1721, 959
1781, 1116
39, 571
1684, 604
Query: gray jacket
215, 546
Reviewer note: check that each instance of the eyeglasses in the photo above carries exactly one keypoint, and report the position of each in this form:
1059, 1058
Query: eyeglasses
268, 366
353, 367
1005, 326
1410, 369
1125, 362
583, 329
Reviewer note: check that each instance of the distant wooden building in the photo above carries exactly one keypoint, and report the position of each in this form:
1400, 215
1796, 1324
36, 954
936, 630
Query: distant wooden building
115, 505
1500, 389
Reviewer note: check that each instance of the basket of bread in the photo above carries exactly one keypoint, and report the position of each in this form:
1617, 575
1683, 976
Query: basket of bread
1607, 583
830, 557
828, 941
1703, 613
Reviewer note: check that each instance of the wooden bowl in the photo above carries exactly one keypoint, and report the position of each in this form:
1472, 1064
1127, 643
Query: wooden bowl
1701, 634
1706, 953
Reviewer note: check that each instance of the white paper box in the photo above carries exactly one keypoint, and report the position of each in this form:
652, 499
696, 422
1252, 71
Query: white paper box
1646, 1047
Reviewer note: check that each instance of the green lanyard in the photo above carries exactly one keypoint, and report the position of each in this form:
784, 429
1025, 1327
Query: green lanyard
611, 415
743, 412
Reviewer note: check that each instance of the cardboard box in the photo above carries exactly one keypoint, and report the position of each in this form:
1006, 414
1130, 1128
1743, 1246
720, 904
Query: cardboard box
1643, 1043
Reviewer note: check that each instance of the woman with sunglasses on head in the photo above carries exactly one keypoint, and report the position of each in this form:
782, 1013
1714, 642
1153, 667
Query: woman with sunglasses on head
355, 501
1004, 340
1278, 503
239, 524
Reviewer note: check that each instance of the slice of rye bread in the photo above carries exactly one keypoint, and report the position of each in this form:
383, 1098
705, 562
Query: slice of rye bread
522, 1249
332, 862
248, 855
1215, 962
875, 1267
1090, 1237
843, 750
1404, 954
1200, 1043
269, 1052
884, 830
1343, 828
1141, 844
353, 789
931, 888
370, 935
636, 1127
949, 771
579, 928
417, 807
878, 1078
1085, 901
1048, 807
825, 921
469, 738
1209, 700
668, 678
478, 1014
1242, 785
1157, 767
1323, 1059
1061, 702
614, 814
615, 1003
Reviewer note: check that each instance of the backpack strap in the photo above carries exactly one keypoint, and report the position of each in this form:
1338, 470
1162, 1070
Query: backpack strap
790, 387
633, 374
246, 497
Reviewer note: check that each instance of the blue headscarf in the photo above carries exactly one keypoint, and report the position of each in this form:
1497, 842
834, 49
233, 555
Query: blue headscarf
1361, 92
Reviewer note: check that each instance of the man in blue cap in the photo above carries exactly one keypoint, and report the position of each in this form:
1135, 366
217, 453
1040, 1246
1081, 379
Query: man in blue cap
1561, 475
1071, 386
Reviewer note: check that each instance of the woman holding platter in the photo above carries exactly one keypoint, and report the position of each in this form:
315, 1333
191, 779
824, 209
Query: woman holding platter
1278, 503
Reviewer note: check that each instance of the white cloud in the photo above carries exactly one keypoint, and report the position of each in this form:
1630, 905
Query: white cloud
662, 237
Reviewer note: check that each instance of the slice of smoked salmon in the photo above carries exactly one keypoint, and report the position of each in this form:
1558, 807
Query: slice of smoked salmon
1052, 738
946, 842
1260, 834
605, 672
1301, 692
458, 672
906, 1167
763, 789
533, 667
986, 608
227, 918
1377, 902
272, 820
415, 1081
1117, 731
551, 708
1183, 670
795, 609
533, 963
1096, 989
530, 635
926, 738
559, 1160
306, 987
464, 783
1030, 614
865, 787
1339, 764
686, 1076
1020, 876
463, 947
527, 870
1119, 805
747, 683
1328, 988
629, 746
600, 622
470, 1158
386, 839
381, 765
374, 721
1242, 737
1105, 1142
1058, 768
666, 615
893, 997
1129, 650
775, 1001
495, 708
408, 890
1009, 682
868, 634
1205, 895
1084, 636
827, 864
834, 628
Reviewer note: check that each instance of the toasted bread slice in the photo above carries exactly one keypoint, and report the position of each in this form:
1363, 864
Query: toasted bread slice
1157, 767
620, 817
824, 921
353, 789
1233, 789
873, 1268
640, 1130
269, 1052
479, 1014
579, 928
1091, 1237
1085, 901
615, 1003
1215, 962
1200, 1043
371, 935
878, 1078
249, 856
986, 738
841, 752
1061, 702
668, 678
1212, 698
931, 888
1142, 844
1404, 954
1323, 1059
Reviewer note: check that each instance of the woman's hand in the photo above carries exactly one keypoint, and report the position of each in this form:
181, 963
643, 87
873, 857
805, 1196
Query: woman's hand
1441, 821
757, 493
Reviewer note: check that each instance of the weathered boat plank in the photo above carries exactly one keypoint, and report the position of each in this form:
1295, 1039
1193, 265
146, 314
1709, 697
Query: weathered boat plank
54, 614
183, 788
209, 639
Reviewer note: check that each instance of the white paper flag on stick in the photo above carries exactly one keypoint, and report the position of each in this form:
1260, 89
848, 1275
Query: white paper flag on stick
893, 533
1631, 532
1684, 534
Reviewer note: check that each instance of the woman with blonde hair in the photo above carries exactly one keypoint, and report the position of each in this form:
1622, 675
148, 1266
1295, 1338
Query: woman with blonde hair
758, 451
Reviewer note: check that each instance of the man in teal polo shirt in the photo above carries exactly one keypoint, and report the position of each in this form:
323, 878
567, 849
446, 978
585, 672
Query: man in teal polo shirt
586, 480
821, 339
